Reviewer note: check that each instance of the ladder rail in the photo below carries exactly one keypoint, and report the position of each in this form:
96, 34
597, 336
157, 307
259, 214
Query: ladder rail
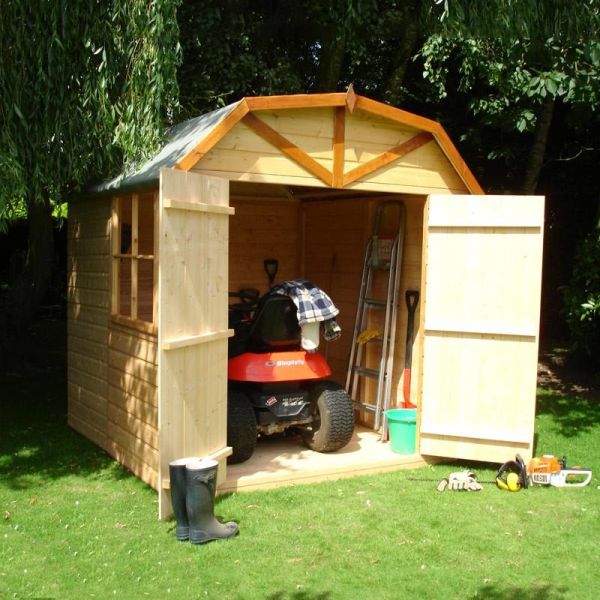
384, 371
359, 314
356, 370
390, 359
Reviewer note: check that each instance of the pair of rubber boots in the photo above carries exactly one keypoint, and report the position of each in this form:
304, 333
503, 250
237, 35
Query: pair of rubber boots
193, 488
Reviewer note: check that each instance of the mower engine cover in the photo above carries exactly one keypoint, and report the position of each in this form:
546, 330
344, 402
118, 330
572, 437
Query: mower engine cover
295, 365
282, 403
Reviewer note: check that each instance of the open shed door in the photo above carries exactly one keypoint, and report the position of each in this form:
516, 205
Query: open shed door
192, 321
480, 322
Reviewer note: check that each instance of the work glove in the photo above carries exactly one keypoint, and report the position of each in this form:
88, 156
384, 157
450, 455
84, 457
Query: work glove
460, 481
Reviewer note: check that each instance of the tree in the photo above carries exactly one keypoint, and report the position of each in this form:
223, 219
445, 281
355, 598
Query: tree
85, 86
518, 59
260, 47
518, 83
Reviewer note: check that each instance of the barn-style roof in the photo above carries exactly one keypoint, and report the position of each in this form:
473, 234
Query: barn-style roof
191, 140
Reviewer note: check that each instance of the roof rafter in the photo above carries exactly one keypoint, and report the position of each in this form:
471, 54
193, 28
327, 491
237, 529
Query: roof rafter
387, 157
288, 148
339, 145
190, 159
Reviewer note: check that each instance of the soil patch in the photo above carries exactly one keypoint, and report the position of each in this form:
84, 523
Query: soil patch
557, 373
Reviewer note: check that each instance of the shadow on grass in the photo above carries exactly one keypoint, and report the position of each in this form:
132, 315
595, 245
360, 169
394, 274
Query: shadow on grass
572, 415
300, 595
535, 592
36, 444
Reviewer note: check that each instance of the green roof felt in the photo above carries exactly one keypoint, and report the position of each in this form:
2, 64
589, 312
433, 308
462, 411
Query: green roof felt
181, 140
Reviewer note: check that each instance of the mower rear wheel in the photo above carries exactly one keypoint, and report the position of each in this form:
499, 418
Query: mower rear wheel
333, 416
241, 427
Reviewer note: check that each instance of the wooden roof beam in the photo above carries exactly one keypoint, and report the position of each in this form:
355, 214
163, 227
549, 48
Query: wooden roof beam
387, 157
339, 145
296, 101
192, 157
427, 125
288, 148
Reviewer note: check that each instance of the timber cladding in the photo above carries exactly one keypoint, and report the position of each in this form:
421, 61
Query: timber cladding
334, 240
132, 415
262, 229
112, 369
309, 146
87, 322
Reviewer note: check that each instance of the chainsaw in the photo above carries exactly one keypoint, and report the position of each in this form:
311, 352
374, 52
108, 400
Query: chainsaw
549, 470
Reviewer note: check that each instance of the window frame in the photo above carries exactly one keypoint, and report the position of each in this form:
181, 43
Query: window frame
132, 320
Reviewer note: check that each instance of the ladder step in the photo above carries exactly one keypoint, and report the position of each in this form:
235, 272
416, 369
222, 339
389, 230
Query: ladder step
374, 373
362, 406
376, 302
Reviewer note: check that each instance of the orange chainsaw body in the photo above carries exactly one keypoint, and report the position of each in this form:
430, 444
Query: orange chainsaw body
547, 470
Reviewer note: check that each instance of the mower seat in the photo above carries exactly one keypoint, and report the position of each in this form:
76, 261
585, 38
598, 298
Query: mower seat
275, 326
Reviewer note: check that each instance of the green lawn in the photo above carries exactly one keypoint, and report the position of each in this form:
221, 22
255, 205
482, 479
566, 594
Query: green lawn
75, 525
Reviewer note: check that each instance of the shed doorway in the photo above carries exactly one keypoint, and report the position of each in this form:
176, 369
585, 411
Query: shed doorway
320, 235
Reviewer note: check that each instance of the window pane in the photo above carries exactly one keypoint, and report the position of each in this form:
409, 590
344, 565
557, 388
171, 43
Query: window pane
125, 224
146, 225
145, 289
125, 287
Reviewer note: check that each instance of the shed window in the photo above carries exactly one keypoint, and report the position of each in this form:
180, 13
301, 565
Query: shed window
133, 293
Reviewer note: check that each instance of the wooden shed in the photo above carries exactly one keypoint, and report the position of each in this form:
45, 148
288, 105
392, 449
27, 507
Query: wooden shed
152, 256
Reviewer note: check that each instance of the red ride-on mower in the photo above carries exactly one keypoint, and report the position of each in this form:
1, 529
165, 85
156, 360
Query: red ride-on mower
275, 384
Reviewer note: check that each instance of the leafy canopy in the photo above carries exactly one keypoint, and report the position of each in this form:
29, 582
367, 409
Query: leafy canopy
84, 86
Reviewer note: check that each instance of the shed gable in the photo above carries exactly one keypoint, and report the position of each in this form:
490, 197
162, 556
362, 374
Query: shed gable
325, 140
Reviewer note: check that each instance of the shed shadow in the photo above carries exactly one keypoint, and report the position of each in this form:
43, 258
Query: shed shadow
572, 415
36, 443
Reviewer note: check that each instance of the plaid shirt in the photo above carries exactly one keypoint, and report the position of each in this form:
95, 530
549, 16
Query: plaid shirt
312, 303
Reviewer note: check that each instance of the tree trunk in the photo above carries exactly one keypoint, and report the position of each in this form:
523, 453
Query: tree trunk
538, 147
410, 27
25, 294
331, 58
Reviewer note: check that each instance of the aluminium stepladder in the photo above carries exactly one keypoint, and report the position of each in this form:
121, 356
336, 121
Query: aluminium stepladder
383, 254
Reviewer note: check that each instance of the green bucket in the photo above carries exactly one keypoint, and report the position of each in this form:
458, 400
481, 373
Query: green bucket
402, 423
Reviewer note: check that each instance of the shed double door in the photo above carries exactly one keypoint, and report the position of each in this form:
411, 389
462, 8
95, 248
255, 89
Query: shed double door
193, 225
480, 323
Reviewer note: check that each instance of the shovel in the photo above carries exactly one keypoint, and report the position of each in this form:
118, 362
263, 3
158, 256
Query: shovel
412, 299
271, 266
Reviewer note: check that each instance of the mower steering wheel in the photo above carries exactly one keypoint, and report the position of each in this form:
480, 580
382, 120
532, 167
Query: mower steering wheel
249, 295
249, 298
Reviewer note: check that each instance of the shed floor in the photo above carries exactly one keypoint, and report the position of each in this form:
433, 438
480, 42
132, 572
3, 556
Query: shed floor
280, 461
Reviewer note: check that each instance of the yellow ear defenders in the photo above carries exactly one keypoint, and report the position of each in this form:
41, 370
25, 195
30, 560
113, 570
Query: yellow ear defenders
512, 475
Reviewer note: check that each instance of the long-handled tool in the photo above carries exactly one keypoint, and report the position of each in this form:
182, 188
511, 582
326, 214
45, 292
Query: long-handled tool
271, 266
412, 299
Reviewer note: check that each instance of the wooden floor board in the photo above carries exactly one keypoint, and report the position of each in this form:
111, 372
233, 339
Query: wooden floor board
281, 461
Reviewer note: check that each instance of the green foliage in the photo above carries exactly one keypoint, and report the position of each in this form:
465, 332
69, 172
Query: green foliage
582, 298
83, 86
263, 47
520, 19
508, 79
515, 67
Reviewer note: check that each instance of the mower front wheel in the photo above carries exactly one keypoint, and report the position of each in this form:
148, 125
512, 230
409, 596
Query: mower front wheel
241, 427
333, 418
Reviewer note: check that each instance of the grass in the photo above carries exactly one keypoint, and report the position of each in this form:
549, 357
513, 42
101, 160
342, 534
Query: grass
76, 525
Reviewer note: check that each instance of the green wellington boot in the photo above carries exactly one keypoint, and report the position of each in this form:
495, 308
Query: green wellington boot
178, 487
201, 481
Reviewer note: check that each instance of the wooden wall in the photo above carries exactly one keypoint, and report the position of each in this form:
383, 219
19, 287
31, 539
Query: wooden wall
266, 224
336, 233
132, 410
112, 387
242, 155
87, 323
